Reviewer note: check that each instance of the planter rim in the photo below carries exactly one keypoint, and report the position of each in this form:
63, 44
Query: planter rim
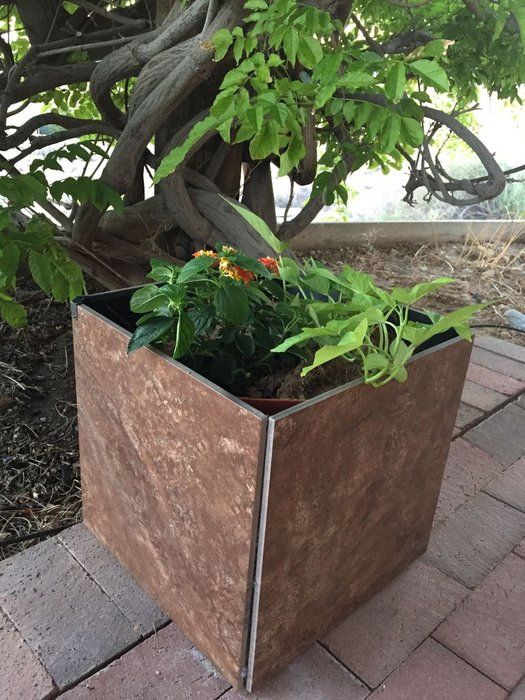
80, 301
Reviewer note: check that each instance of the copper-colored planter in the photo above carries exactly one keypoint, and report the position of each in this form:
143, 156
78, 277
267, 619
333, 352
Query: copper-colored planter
256, 533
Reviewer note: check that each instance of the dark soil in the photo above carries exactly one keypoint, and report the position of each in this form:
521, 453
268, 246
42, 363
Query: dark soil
288, 384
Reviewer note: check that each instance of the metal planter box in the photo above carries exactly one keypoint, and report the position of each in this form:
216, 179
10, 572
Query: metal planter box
256, 534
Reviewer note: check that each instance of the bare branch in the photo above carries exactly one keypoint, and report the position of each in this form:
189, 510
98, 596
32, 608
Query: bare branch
24, 132
489, 187
111, 15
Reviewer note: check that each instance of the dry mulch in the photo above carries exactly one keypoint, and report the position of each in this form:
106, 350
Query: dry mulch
39, 472
483, 271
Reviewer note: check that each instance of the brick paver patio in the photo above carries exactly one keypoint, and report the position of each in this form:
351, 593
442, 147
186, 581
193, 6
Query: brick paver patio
451, 627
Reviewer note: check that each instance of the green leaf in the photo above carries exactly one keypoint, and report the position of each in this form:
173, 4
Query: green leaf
265, 142
391, 132
41, 270
149, 332
194, 267
434, 49
231, 302
456, 319
306, 334
355, 79
349, 110
374, 361
518, 10
256, 5
9, 259
59, 286
432, 74
292, 156
354, 340
23, 190
327, 68
291, 45
395, 82
410, 296
13, 313
175, 294
147, 298
412, 131
250, 264
377, 120
221, 40
84, 189
170, 162
184, 334
310, 51
259, 225
163, 271
202, 318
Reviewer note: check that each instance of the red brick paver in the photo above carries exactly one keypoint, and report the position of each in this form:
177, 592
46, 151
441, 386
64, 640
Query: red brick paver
467, 470
114, 580
495, 380
502, 435
383, 632
498, 363
164, 667
22, 676
433, 672
467, 415
510, 486
475, 538
61, 613
488, 628
315, 676
501, 347
481, 397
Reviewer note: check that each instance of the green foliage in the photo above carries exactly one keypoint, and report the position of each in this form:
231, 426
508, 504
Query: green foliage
34, 243
366, 324
260, 226
221, 312
228, 317
293, 60
47, 262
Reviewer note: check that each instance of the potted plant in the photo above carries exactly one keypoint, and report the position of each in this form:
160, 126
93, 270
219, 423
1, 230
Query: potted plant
258, 526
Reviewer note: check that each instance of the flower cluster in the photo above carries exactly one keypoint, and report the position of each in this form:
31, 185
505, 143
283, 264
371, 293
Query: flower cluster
208, 253
270, 264
229, 269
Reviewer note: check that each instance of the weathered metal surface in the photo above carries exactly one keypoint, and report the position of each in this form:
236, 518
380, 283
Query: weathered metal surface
350, 488
170, 478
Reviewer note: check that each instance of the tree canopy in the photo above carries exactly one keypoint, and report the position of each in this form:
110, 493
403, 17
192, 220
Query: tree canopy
204, 96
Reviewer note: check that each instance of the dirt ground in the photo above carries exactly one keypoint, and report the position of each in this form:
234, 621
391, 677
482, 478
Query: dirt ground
39, 472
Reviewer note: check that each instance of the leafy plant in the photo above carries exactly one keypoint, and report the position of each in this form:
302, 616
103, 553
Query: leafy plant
268, 99
48, 263
222, 312
228, 316
366, 324
33, 240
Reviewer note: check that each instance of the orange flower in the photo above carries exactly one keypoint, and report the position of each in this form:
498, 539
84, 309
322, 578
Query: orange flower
237, 273
245, 275
270, 264
209, 253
